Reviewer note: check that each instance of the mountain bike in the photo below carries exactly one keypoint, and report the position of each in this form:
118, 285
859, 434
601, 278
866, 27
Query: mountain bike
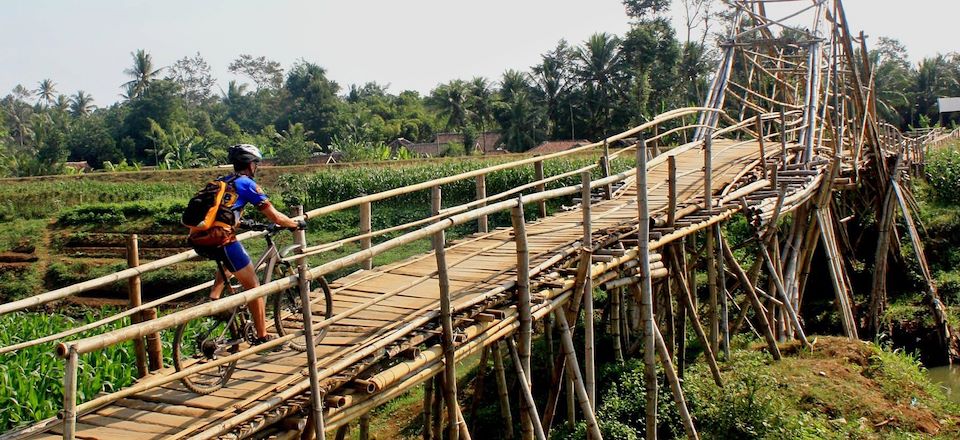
206, 338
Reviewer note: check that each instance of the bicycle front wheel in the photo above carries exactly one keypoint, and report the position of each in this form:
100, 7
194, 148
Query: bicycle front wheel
288, 311
204, 340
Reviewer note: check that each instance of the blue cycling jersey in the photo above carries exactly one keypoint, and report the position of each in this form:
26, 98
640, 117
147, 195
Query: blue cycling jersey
248, 192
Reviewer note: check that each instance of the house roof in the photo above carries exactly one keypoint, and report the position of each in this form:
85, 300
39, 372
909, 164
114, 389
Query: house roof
556, 146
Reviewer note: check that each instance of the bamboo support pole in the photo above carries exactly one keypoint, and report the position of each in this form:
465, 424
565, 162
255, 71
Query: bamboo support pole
753, 297
366, 226
478, 386
681, 317
588, 312
133, 293
446, 323
303, 283
70, 370
538, 176
523, 307
722, 291
426, 429
365, 427
614, 295
713, 311
573, 375
605, 169
674, 381
686, 296
645, 293
788, 308
481, 195
502, 393
671, 190
437, 409
708, 173
524, 381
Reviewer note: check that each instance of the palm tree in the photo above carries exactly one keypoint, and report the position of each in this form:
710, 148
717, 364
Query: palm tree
552, 78
62, 103
451, 100
513, 82
481, 105
142, 73
46, 92
599, 67
81, 104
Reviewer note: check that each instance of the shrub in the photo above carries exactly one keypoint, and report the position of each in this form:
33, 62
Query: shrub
943, 173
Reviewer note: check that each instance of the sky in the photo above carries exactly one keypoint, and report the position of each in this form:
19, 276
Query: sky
409, 44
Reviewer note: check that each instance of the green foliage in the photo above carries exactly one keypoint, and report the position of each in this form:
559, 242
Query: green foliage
162, 212
45, 199
31, 380
292, 146
943, 173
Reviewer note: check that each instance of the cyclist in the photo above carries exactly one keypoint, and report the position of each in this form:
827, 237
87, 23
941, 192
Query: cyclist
232, 255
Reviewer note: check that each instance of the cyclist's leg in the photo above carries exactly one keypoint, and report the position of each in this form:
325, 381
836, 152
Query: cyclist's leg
239, 263
218, 282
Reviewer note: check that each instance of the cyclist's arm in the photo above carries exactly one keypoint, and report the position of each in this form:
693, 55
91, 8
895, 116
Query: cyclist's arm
276, 216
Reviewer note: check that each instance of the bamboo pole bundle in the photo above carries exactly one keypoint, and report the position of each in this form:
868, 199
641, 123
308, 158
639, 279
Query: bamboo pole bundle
675, 387
573, 375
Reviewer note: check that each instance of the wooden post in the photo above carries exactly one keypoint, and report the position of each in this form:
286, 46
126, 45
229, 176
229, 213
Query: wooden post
366, 226
763, 153
135, 300
787, 306
482, 194
427, 409
343, 432
524, 382
656, 140
646, 291
437, 427
605, 169
365, 427
70, 395
446, 322
573, 375
713, 312
502, 392
316, 394
681, 316
588, 312
523, 308
538, 176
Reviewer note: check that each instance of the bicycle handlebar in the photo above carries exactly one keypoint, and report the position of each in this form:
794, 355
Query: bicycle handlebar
271, 228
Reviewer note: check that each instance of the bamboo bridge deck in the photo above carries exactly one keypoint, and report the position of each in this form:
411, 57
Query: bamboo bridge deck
478, 265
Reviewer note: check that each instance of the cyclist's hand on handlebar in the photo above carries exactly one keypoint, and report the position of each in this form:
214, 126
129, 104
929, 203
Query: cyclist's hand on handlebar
301, 225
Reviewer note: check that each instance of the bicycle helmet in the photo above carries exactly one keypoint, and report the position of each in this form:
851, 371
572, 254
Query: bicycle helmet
243, 154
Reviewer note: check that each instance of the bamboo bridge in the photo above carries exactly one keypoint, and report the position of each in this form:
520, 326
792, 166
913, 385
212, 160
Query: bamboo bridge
788, 130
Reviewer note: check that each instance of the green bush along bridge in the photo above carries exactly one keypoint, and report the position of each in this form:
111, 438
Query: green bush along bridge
788, 131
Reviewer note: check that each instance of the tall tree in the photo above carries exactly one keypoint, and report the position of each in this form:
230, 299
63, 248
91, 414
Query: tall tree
46, 92
450, 100
81, 104
480, 102
263, 72
193, 76
142, 73
311, 100
553, 79
600, 68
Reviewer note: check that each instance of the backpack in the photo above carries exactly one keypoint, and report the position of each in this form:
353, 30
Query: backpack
211, 206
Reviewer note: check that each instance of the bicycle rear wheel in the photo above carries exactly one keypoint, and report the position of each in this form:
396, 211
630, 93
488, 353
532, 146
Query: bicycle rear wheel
204, 340
288, 312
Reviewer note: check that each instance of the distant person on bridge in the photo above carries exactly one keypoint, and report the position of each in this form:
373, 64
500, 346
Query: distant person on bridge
219, 242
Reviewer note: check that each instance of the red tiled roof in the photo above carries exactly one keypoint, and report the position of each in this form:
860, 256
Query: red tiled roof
556, 146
